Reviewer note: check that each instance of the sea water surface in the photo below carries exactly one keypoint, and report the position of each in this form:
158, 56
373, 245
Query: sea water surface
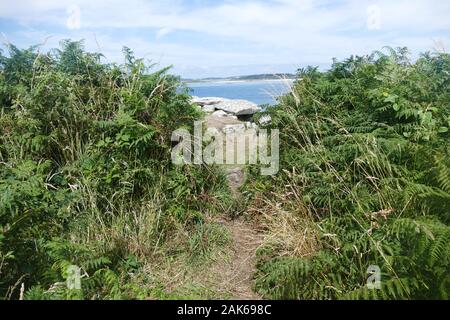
258, 91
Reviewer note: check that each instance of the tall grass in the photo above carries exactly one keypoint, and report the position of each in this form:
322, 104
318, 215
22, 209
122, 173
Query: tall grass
86, 177
364, 158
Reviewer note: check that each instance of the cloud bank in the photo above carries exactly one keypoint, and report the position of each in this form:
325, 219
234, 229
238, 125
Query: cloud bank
211, 38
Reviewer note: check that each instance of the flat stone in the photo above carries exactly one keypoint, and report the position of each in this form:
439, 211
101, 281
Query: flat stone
238, 107
206, 101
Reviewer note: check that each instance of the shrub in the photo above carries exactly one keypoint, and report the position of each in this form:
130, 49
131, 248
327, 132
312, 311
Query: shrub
85, 171
365, 147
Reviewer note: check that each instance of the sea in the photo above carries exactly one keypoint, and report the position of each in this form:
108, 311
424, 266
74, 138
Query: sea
257, 91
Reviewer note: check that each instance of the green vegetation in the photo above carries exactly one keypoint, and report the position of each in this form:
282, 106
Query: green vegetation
365, 181
86, 178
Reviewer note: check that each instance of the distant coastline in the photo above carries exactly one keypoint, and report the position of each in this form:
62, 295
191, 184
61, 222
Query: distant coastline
248, 78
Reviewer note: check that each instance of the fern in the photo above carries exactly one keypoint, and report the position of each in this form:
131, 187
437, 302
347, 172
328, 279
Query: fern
368, 142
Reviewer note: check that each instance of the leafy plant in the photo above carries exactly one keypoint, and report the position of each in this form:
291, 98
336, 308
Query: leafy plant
364, 151
85, 172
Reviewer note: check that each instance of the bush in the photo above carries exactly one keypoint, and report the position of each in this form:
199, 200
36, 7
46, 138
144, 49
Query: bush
365, 149
85, 171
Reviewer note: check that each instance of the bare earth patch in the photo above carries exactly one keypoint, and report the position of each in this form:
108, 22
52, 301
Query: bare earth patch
236, 275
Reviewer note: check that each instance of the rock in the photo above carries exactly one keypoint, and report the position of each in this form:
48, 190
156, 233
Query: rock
266, 119
251, 125
236, 177
238, 107
209, 108
223, 114
206, 101
212, 131
220, 114
235, 107
232, 128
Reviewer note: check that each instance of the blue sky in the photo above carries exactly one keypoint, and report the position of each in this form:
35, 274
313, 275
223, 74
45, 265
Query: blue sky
227, 37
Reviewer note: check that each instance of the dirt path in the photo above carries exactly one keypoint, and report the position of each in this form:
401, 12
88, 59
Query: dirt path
237, 273
226, 272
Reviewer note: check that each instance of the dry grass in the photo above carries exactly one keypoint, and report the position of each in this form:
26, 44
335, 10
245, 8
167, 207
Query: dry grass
289, 226
292, 224
292, 232
226, 272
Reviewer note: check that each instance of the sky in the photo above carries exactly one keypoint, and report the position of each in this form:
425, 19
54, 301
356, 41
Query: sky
219, 38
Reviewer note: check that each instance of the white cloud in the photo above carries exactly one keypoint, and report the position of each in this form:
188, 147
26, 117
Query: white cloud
277, 31
163, 32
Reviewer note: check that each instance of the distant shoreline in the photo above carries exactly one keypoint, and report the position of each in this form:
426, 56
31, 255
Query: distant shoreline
236, 81
245, 78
